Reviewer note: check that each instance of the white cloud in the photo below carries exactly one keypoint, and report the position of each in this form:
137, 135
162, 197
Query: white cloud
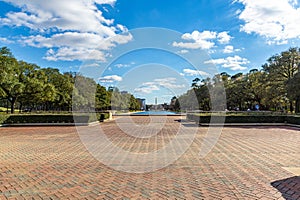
224, 38
170, 83
233, 63
199, 40
183, 51
72, 39
194, 45
192, 72
75, 45
149, 87
90, 65
146, 89
110, 79
66, 25
6, 40
196, 35
202, 40
78, 15
278, 20
122, 65
70, 54
230, 49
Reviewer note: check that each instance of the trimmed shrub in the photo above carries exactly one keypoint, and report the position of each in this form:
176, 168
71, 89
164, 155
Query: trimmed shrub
293, 120
239, 118
15, 119
3, 117
51, 118
102, 116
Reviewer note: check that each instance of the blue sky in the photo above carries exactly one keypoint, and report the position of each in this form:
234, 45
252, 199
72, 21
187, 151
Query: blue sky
109, 39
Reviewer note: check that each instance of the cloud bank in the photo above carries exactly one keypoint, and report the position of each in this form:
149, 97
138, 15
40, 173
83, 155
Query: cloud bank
70, 30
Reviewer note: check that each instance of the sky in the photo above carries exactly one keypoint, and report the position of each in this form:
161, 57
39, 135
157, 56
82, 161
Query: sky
152, 49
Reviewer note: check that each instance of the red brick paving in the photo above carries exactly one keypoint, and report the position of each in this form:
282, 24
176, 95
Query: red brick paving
246, 163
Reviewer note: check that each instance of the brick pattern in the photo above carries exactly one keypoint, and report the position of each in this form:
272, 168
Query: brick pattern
246, 163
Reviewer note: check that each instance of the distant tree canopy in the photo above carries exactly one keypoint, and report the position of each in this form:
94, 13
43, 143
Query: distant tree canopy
26, 86
276, 86
29, 87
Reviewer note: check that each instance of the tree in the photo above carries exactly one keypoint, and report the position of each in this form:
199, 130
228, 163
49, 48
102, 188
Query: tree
237, 76
134, 103
63, 85
8, 82
102, 98
293, 90
256, 85
29, 85
195, 83
84, 93
281, 69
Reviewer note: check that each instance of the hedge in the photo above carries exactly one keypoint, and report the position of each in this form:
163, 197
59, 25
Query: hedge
51, 118
3, 117
293, 120
245, 119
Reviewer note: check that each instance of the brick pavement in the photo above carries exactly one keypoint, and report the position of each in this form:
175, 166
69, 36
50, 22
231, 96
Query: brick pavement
246, 163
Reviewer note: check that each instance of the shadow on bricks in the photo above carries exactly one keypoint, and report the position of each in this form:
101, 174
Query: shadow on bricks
289, 187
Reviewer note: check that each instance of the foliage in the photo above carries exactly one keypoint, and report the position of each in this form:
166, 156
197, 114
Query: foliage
245, 118
293, 91
293, 120
29, 87
276, 87
3, 117
50, 118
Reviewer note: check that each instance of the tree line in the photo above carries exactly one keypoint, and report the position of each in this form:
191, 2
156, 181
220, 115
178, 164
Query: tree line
28, 87
275, 87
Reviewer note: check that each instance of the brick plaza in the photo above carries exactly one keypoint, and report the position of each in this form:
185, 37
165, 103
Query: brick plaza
246, 163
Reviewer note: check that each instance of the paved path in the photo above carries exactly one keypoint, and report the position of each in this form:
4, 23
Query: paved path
246, 163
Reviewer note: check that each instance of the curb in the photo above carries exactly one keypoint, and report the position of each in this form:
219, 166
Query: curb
44, 124
293, 125
54, 124
248, 124
244, 124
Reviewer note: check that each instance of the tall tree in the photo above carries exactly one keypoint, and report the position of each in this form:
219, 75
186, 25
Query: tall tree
102, 98
281, 69
256, 84
294, 91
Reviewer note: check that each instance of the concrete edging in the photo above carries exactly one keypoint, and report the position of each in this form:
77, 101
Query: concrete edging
244, 124
250, 124
44, 124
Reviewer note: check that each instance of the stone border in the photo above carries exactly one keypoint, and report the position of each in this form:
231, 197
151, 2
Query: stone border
44, 124
52, 124
245, 124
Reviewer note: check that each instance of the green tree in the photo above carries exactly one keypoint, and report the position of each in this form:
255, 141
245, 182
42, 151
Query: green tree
102, 98
63, 85
281, 69
293, 86
8, 79
256, 85
134, 104
84, 93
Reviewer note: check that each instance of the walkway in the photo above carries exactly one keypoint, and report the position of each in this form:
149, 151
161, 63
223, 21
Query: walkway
246, 163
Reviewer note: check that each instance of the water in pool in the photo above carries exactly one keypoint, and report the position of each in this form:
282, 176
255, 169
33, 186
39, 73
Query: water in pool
158, 112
